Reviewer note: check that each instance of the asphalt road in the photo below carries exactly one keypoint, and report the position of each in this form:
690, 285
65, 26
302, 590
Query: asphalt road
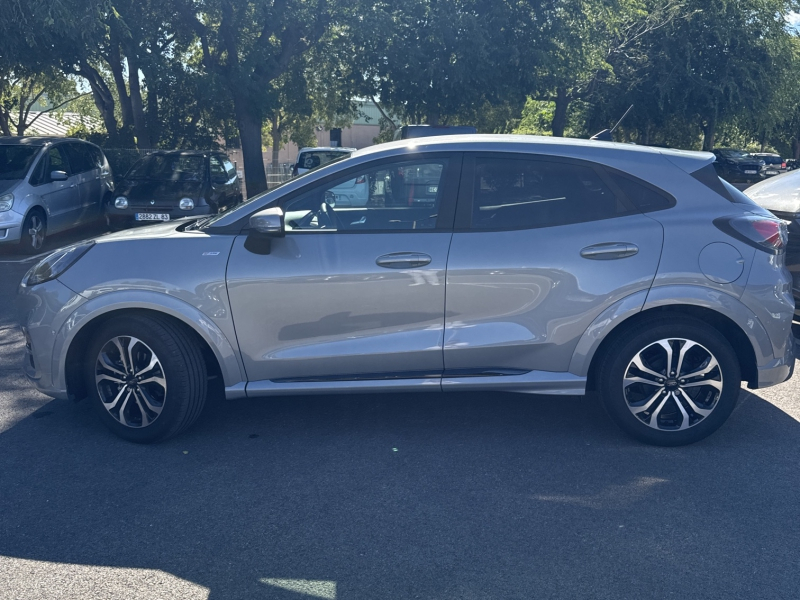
474, 496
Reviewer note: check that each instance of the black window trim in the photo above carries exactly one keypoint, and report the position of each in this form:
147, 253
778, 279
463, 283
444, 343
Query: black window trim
463, 222
447, 209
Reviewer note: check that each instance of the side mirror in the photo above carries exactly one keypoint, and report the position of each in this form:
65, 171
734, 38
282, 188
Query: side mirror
265, 225
58, 176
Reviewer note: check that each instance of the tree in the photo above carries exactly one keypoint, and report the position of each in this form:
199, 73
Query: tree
434, 61
249, 45
21, 92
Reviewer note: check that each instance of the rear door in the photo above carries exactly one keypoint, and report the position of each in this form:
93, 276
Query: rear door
88, 179
541, 247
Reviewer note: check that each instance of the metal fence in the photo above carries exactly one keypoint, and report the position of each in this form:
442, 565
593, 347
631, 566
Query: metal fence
277, 175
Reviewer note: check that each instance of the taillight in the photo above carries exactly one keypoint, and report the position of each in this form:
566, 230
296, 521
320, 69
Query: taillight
783, 165
764, 233
362, 179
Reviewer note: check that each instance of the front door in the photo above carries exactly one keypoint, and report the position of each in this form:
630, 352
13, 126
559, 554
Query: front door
351, 292
62, 198
542, 246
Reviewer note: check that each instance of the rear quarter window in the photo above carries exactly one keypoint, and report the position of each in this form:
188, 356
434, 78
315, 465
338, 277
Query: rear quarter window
643, 196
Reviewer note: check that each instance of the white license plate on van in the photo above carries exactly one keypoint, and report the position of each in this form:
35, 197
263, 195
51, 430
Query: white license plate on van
750, 172
772, 172
152, 217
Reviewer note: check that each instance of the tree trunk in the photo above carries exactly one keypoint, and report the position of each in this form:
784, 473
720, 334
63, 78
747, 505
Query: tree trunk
248, 120
560, 116
114, 60
433, 117
709, 131
103, 100
796, 148
276, 141
137, 107
4, 116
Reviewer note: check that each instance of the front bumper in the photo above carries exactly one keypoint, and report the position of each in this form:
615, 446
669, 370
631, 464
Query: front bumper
175, 213
10, 226
43, 310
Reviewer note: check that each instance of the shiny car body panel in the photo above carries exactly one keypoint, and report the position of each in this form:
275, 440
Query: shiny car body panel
517, 310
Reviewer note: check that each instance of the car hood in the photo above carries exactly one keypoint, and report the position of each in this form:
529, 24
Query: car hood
6, 185
148, 232
161, 191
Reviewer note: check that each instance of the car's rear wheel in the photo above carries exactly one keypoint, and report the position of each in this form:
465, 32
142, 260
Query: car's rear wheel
34, 232
670, 381
146, 377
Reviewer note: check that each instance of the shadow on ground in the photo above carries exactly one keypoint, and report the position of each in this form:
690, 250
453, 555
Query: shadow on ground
413, 496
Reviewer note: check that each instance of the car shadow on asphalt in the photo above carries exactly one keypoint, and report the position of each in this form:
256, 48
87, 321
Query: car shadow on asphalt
471, 495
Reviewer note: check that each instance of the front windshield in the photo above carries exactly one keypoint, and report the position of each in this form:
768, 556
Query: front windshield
168, 168
734, 153
16, 160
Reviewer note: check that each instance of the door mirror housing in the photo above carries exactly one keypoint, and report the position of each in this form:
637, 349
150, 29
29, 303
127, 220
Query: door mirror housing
269, 222
265, 225
58, 176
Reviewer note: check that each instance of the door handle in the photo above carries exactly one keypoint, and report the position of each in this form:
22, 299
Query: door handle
403, 260
609, 251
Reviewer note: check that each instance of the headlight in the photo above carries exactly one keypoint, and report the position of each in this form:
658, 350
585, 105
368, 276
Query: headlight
55, 264
6, 202
186, 204
121, 202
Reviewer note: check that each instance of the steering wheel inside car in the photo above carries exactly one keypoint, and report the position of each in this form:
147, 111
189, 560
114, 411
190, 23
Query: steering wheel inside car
326, 218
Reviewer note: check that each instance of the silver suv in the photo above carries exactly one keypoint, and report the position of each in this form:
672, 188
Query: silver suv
485, 263
49, 185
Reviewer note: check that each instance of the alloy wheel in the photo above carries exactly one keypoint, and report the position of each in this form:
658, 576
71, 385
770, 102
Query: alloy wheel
36, 232
672, 384
130, 381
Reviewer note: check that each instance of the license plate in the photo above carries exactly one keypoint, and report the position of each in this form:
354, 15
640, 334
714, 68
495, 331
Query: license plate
152, 217
750, 172
432, 189
772, 172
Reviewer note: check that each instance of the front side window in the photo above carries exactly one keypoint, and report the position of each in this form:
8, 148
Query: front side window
230, 170
58, 161
217, 170
402, 196
16, 160
524, 193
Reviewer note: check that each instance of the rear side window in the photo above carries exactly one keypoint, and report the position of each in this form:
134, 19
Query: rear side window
708, 177
643, 197
526, 193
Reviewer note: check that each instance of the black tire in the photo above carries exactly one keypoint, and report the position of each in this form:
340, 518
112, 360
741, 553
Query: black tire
661, 427
181, 366
28, 242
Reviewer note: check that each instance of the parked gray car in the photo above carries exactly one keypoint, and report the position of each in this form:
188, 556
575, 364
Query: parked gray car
781, 196
484, 263
49, 185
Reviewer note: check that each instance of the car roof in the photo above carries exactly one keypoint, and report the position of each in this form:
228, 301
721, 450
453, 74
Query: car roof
765, 154
327, 149
32, 140
183, 153
533, 143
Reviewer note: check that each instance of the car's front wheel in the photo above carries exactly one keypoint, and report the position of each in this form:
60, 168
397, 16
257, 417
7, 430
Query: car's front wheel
34, 232
670, 381
146, 377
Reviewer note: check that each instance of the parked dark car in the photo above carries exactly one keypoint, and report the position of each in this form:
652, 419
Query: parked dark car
415, 131
775, 165
168, 185
738, 166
